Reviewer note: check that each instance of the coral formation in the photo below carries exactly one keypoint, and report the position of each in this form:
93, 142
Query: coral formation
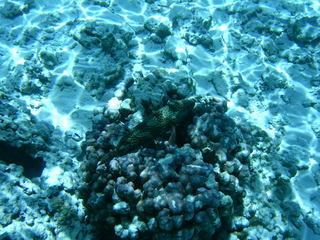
139, 186
157, 161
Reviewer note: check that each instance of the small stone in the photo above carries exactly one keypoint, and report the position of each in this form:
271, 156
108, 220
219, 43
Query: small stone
313, 222
174, 187
10, 10
144, 174
221, 156
120, 231
43, 212
229, 167
244, 172
48, 59
178, 221
226, 201
153, 183
164, 220
211, 181
137, 194
114, 166
136, 226
225, 178
125, 191
148, 205
30, 222
189, 207
125, 107
160, 201
152, 224
175, 205
240, 223
163, 31
133, 231
202, 217
121, 208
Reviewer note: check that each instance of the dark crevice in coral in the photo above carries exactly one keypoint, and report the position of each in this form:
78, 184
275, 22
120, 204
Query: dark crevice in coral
182, 132
32, 166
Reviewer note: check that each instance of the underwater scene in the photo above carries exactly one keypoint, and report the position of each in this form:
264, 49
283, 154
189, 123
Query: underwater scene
160, 119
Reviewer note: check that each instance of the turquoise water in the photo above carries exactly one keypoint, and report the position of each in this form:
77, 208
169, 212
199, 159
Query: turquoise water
80, 78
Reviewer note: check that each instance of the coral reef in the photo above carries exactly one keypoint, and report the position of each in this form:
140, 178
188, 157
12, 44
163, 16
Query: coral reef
148, 188
158, 162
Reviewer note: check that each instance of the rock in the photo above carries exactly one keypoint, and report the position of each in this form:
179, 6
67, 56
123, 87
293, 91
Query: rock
10, 10
164, 220
48, 59
170, 187
240, 223
163, 30
175, 205
121, 208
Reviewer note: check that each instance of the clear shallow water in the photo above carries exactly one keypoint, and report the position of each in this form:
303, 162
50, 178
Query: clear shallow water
64, 61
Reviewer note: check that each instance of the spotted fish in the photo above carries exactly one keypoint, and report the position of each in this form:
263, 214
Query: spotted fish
154, 126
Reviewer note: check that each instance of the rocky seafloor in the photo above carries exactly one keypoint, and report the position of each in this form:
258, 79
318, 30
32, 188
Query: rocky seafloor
159, 119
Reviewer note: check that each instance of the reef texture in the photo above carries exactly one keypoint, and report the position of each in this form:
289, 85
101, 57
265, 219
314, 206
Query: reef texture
152, 189
60, 67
